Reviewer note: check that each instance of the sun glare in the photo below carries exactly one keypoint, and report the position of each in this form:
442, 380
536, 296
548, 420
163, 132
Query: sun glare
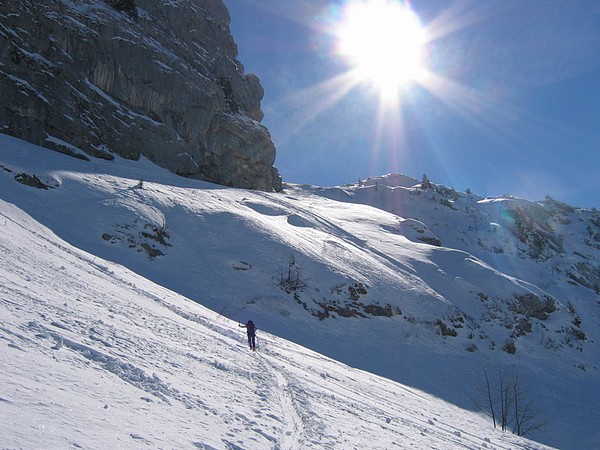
382, 40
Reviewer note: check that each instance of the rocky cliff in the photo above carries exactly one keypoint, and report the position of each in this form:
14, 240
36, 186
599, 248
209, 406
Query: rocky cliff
149, 78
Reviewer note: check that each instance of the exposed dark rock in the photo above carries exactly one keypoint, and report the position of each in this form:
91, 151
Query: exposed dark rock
446, 330
510, 347
30, 180
135, 78
533, 306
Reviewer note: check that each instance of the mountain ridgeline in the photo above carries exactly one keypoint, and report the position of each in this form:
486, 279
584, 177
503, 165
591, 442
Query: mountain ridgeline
551, 247
135, 78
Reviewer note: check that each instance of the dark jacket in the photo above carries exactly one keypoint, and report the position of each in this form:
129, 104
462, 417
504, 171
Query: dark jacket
250, 328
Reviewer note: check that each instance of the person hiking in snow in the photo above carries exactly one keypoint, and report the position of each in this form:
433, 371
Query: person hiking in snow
251, 331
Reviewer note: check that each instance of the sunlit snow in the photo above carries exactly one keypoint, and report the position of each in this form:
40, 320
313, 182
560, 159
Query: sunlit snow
109, 344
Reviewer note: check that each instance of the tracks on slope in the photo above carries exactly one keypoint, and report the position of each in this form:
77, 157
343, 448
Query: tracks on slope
293, 426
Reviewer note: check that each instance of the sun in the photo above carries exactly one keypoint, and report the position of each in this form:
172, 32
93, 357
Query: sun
383, 41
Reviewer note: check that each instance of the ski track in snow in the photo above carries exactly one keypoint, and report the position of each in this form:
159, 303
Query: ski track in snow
291, 436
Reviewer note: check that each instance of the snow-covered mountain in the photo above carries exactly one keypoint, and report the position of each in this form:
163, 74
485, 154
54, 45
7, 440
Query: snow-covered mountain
95, 356
426, 287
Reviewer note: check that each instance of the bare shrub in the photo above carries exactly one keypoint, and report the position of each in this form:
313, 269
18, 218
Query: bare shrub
508, 402
291, 278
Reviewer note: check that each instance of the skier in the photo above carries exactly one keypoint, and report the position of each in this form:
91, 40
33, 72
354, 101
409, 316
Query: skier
251, 331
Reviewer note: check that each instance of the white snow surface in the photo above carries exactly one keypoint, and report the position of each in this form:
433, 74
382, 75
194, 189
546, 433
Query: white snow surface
95, 356
107, 344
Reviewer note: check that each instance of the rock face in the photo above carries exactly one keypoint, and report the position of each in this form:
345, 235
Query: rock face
146, 77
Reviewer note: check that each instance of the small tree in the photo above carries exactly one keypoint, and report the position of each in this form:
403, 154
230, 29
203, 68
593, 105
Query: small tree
291, 278
490, 400
426, 184
526, 416
508, 402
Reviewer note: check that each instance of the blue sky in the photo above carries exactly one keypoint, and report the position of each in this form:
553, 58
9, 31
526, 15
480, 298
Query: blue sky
517, 110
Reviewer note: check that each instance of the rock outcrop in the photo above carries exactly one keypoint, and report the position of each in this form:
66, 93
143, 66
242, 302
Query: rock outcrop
149, 78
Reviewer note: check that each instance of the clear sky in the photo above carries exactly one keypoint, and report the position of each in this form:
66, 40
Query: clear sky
506, 100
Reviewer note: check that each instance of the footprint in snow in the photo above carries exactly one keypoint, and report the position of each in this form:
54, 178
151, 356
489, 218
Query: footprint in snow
15, 346
203, 446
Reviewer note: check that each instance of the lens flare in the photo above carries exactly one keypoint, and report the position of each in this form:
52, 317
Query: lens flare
382, 41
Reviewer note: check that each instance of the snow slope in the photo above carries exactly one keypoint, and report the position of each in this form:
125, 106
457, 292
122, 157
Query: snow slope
95, 356
372, 297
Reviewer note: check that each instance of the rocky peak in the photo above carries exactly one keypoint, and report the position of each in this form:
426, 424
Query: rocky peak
135, 78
